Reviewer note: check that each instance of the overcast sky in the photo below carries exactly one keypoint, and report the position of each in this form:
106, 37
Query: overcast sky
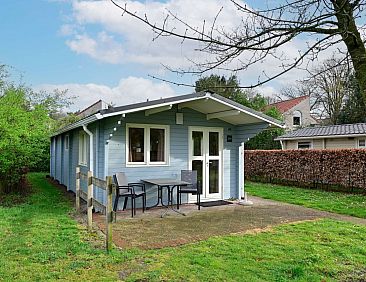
89, 49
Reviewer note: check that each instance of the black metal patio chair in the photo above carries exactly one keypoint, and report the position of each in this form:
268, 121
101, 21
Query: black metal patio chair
191, 177
128, 190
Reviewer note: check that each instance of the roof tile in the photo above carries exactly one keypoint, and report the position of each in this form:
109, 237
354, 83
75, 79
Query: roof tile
332, 130
284, 106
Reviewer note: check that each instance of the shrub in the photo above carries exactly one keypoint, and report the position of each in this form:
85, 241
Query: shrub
24, 138
343, 167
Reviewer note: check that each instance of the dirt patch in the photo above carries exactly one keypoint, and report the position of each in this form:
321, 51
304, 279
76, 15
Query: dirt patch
174, 230
355, 276
149, 231
18, 197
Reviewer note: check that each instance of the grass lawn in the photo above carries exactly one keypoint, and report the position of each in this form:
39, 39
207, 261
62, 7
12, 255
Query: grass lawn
338, 202
40, 241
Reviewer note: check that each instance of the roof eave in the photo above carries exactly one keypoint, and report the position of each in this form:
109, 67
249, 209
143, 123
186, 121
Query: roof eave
320, 137
200, 96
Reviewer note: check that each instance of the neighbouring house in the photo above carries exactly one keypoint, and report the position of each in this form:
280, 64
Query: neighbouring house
326, 137
157, 139
295, 112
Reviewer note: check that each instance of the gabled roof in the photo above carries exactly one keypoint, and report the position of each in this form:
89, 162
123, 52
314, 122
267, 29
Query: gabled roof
213, 105
284, 106
342, 130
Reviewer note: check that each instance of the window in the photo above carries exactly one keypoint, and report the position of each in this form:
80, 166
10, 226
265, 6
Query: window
67, 142
296, 118
304, 145
362, 143
83, 149
147, 144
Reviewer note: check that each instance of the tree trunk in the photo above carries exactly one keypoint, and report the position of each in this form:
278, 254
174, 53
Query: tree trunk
352, 38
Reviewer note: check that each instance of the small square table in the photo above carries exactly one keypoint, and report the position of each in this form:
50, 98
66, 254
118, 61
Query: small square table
169, 184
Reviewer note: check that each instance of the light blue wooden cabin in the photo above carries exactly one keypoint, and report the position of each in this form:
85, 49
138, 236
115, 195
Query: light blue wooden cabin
157, 139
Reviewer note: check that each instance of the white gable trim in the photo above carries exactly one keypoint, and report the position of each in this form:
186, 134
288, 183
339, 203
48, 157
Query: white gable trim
98, 116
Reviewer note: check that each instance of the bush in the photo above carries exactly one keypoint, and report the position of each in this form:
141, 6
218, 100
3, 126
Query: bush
24, 138
345, 168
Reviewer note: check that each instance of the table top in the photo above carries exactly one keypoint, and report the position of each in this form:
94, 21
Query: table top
166, 181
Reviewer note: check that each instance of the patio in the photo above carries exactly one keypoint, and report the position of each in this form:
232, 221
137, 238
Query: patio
149, 231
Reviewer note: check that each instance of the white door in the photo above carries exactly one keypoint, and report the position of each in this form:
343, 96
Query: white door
205, 156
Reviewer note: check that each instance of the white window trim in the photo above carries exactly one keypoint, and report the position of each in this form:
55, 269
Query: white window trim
358, 143
305, 141
298, 114
67, 142
83, 146
147, 128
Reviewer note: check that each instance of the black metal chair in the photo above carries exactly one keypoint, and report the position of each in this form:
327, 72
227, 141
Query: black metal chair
126, 190
191, 177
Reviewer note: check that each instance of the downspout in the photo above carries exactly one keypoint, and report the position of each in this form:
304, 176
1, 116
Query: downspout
243, 200
91, 149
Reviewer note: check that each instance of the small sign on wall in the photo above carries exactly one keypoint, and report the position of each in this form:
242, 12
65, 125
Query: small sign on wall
229, 138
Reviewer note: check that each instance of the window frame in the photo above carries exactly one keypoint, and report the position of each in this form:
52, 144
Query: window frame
297, 114
67, 142
358, 143
83, 149
147, 161
310, 145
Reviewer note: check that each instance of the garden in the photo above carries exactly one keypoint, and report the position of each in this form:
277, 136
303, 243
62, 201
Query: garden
43, 239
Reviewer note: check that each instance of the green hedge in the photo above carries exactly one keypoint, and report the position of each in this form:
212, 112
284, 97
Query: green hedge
343, 168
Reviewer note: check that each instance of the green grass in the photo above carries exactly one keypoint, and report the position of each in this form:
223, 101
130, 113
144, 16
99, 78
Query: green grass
312, 251
41, 242
343, 203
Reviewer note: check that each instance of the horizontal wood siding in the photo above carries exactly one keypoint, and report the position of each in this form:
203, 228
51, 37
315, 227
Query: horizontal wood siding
330, 143
178, 147
318, 144
340, 143
116, 149
291, 145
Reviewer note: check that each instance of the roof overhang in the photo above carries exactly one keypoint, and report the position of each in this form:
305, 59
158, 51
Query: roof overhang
321, 137
212, 105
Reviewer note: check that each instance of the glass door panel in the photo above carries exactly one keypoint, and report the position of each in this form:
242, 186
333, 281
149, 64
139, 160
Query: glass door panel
214, 176
205, 153
197, 137
198, 166
213, 144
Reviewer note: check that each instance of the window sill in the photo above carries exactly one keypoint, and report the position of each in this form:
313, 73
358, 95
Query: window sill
147, 165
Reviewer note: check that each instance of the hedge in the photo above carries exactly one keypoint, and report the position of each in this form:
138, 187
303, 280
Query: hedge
342, 168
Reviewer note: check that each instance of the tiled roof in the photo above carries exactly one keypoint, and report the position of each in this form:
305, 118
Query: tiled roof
332, 130
284, 106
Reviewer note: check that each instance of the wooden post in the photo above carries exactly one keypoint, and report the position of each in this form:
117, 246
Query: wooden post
109, 216
77, 192
90, 200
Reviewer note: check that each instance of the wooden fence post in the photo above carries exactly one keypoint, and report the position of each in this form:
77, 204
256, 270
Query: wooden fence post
109, 216
90, 200
77, 192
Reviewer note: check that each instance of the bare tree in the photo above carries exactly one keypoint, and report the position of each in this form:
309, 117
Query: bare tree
331, 86
298, 89
262, 32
